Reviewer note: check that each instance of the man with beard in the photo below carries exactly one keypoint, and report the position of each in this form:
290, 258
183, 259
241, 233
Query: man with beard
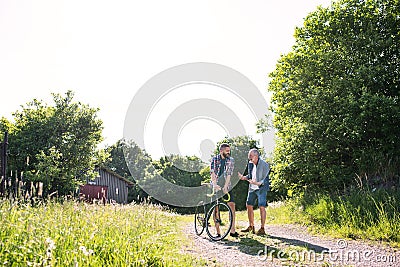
221, 171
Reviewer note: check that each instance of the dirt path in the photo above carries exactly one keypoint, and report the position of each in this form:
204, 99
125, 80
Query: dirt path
289, 245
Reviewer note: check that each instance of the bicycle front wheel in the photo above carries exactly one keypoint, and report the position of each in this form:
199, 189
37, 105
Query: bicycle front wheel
219, 219
200, 219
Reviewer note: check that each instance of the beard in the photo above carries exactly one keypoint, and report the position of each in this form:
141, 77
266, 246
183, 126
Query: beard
226, 155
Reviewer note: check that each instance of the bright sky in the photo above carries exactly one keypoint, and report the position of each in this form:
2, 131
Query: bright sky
106, 50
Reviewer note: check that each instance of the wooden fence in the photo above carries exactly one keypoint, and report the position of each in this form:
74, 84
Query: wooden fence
16, 187
3, 163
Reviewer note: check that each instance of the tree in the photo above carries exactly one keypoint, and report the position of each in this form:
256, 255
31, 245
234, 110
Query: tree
174, 168
56, 144
336, 97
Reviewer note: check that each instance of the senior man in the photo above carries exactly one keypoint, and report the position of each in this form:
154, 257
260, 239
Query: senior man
258, 178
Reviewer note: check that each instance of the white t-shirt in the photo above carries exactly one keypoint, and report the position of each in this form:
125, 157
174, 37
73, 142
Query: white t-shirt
254, 177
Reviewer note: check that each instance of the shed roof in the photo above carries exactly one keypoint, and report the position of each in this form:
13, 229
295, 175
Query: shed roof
130, 183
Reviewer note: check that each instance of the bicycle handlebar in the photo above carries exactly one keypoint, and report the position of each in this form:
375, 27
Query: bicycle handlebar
215, 191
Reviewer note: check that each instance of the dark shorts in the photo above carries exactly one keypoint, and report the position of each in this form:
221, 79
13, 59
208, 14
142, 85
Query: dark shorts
260, 195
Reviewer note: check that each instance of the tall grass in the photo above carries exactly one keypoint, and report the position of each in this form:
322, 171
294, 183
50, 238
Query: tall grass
76, 234
360, 214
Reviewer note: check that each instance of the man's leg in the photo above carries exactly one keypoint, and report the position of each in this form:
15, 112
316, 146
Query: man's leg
233, 206
251, 199
250, 214
263, 215
215, 221
262, 203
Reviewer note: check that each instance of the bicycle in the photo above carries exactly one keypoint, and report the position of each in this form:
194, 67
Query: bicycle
222, 218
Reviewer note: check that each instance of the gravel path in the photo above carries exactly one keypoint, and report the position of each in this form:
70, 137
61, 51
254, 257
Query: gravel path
289, 245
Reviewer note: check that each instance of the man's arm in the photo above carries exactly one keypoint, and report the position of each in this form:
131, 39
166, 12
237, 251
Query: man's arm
243, 177
226, 185
213, 175
265, 174
262, 169
214, 179
229, 172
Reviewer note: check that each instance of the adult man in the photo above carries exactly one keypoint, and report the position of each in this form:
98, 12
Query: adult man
258, 179
221, 171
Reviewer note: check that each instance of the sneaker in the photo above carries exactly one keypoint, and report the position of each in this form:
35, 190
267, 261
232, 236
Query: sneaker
235, 234
261, 231
249, 229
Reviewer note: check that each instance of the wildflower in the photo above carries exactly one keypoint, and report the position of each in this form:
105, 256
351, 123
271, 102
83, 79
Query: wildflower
51, 244
85, 251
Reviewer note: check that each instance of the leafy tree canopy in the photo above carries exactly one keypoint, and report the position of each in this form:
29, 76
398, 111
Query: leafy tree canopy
54, 144
336, 97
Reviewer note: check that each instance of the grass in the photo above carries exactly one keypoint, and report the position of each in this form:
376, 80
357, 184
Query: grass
362, 215
277, 213
78, 234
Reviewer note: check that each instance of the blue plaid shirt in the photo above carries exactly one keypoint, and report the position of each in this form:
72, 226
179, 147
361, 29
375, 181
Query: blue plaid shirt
216, 165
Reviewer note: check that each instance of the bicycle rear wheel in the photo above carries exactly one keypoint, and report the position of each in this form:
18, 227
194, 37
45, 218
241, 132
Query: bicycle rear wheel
200, 219
220, 218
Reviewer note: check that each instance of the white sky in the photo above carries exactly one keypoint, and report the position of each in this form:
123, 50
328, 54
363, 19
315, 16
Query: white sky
106, 50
